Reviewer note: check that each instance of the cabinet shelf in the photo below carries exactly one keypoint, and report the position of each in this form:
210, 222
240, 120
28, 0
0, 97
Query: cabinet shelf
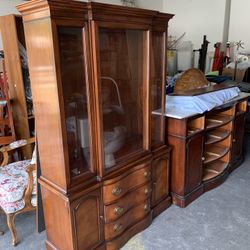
216, 136
192, 130
214, 152
215, 121
214, 169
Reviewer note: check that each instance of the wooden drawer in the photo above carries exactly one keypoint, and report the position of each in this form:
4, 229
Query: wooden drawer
117, 209
115, 228
118, 187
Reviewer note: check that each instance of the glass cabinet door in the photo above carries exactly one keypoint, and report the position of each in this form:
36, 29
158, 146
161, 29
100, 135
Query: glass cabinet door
122, 79
157, 88
75, 99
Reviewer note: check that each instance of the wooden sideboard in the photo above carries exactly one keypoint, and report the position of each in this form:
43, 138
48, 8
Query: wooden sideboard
205, 149
97, 73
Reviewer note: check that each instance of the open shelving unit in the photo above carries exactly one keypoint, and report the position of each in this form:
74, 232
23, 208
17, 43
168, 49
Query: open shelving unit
206, 148
218, 141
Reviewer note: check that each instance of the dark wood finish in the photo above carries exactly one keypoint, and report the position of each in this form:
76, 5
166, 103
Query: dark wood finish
113, 229
118, 187
238, 136
82, 219
203, 156
120, 207
160, 178
161, 199
129, 233
90, 67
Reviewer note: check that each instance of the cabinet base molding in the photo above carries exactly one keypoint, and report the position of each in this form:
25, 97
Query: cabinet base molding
162, 206
235, 164
183, 201
129, 233
216, 181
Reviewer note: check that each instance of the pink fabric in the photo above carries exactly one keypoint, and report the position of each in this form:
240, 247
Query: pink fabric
13, 182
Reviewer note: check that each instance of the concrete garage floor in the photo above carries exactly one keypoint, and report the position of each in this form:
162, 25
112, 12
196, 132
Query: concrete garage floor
218, 220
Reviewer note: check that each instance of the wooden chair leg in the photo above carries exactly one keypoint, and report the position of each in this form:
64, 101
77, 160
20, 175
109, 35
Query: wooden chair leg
12, 228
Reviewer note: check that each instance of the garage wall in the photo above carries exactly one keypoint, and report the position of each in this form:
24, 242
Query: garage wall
196, 18
239, 23
146, 4
8, 7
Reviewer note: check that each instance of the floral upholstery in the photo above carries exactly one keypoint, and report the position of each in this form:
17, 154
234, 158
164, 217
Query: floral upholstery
13, 182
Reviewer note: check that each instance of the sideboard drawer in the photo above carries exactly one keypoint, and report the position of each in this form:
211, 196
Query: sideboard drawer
117, 209
115, 190
135, 214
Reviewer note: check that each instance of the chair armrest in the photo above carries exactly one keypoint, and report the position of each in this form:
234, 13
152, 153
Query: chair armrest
28, 191
12, 146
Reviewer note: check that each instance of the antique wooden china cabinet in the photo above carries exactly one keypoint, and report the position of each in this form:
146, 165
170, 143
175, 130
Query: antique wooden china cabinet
98, 74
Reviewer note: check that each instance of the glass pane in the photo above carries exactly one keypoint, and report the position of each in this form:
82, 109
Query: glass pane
75, 99
121, 62
157, 64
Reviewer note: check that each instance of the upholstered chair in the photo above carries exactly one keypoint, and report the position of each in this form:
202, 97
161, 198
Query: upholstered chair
17, 184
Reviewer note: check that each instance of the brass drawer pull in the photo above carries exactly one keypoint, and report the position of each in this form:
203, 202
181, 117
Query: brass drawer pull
117, 227
147, 174
116, 191
118, 210
203, 158
146, 207
147, 191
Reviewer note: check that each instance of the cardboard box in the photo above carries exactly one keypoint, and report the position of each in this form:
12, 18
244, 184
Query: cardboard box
240, 73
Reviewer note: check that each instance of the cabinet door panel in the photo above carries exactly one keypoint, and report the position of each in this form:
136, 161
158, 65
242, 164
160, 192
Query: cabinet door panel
87, 223
74, 90
158, 88
238, 136
123, 58
160, 170
194, 162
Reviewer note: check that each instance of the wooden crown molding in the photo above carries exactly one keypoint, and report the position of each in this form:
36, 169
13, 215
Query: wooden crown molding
59, 9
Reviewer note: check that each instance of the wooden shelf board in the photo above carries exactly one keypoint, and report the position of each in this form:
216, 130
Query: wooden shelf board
217, 120
192, 130
214, 152
214, 169
216, 136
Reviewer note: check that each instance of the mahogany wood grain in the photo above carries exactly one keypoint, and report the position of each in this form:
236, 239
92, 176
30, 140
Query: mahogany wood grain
133, 198
83, 218
198, 165
162, 206
113, 229
57, 220
46, 101
238, 136
119, 188
79, 207
160, 178
117, 242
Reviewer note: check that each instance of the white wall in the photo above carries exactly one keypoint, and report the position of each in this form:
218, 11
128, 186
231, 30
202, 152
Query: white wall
151, 4
8, 7
145, 4
239, 23
196, 18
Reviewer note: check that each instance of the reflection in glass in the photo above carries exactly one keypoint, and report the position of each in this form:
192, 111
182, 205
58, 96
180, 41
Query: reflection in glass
157, 79
121, 62
75, 99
